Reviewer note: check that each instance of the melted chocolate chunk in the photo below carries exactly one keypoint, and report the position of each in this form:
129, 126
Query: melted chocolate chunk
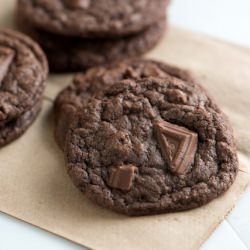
122, 177
178, 145
6, 58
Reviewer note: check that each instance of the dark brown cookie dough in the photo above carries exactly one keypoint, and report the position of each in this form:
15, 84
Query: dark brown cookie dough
95, 80
23, 71
151, 146
67, 54
16, 127
92, 18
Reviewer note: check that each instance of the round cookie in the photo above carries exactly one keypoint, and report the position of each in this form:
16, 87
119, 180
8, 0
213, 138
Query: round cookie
66, 54
92, 18
96, 80
23, 71
151, 146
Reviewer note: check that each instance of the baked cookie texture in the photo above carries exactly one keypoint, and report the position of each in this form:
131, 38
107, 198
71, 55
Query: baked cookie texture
70, 54
92, 18
18, 126
23, 72
94, 81
151, 146
80, 34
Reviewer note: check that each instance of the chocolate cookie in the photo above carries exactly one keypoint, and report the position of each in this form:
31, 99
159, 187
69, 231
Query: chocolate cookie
16, 127
151, 146
23, 71
96, 80
77, 54
92, 18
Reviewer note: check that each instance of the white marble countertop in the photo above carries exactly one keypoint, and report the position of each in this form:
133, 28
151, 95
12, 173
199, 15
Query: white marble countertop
224, 19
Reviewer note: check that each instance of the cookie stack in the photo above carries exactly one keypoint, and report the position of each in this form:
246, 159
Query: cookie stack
142, 137
23, 71
78, 34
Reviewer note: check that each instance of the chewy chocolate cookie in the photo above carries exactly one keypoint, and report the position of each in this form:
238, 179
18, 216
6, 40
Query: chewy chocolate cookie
96, 80
23, 71
92, 18
67, 54
151, 146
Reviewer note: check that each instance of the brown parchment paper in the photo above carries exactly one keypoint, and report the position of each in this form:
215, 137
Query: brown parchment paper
34, 186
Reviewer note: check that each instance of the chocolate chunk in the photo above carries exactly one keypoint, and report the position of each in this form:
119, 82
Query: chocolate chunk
6, 58
122, 177
83, 4
178, 145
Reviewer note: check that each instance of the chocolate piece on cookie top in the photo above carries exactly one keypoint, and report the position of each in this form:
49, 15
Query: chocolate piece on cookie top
183, 150
178, 145
122, 177
96, 80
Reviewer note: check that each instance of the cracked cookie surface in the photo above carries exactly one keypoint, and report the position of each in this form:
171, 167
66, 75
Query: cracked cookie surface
66, 54
96, 80
115, 136
23, 72
25, 77
92, 18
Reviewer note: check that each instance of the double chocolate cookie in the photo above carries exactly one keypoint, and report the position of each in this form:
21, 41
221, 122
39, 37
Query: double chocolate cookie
23, 71
96, 80
80, 34
67, 54
92, 18
151, 146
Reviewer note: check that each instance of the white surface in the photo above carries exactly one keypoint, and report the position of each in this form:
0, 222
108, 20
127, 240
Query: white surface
224, 238
234, 232
239, 219
15, 234
224, 19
